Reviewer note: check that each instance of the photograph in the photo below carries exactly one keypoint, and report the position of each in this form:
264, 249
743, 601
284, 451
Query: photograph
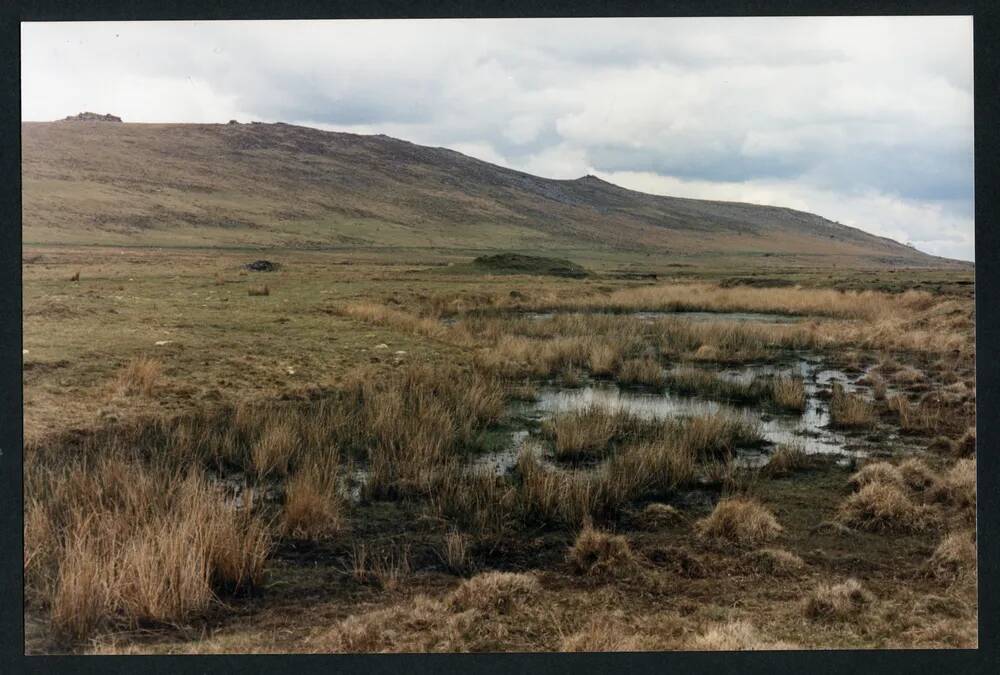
498, 335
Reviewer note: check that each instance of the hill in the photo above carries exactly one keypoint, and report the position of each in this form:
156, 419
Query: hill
278, 185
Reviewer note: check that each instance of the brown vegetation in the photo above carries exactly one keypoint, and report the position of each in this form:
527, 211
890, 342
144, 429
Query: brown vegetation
744, 522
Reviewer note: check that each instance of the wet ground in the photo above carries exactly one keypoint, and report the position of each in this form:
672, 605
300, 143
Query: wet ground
809, 430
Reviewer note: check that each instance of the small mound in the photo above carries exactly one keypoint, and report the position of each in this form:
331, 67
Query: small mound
958, 487
596, 552
739, 521
775, 561
517, 263
735, 636
604, 635
657, 515
954, 557
837, 602
262, 266
966, 445
917, 475
877, 472
679, 560
494, 591
884, 507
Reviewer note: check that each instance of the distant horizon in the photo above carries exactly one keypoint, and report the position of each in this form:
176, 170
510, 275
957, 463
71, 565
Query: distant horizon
866, 121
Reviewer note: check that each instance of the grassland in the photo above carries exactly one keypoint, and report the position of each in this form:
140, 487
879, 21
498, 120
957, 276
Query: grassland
194, 451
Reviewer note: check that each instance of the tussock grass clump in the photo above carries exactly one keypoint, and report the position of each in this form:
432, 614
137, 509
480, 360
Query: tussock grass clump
877, 472
646, 372
584, 433
599, 553
837, 602
603, 634
716, 434
387, 567
656, 514
494, 592
735, 636
954, 557
553, 496
418, 625
645, 468
740, 521
788, 459
259, 290
924, 417
604, 358
965, 446
478, 500
274, 450
916, 475
775, 561
455, 552
139, 376
849, 410
698, 382
957, 488
884, 507
313, 508
128, 544
789, 393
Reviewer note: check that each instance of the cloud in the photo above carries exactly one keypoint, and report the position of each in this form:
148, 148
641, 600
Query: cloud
866, 117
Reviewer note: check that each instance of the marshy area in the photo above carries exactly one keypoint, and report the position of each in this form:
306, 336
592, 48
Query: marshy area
491, 463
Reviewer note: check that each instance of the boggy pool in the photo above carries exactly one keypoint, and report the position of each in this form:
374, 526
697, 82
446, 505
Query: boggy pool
810, 429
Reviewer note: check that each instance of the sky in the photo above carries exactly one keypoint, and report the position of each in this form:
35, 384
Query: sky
867, 121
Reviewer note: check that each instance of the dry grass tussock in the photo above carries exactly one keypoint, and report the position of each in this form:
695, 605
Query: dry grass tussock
775, 562
884, 507
736, 636
957, 487
744, 522
418, 625
924, 417
646, 372
259, 290
463, 621
599, 553
850, 410
606, 634
139, 376
789, 393
955, 556
788, 459
837, 602
494, 592
877, 472
116, 543
916, 475
313, 507
587, 432
386, 567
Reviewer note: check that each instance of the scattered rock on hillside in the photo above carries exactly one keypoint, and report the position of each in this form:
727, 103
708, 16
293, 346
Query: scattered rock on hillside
92, 117
262, 266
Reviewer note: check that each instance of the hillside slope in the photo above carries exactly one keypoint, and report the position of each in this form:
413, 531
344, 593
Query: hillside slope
87, 182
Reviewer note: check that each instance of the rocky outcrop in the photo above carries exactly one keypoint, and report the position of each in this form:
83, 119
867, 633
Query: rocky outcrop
92, 117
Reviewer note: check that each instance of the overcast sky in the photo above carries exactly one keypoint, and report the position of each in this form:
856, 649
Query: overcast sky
867, 121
